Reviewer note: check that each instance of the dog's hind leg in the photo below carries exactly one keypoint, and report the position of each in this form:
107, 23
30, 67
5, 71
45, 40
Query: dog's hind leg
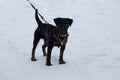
44, 48
35, 42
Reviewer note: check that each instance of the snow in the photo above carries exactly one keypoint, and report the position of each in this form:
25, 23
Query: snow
92, 52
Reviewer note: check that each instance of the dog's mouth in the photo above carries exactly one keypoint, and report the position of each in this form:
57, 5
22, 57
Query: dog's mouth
64, 35
61, 33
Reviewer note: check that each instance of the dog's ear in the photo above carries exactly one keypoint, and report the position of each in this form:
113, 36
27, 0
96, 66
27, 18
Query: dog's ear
70, 21
57, 20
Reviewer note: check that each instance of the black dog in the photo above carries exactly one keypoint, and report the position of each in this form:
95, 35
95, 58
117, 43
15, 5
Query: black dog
52, 36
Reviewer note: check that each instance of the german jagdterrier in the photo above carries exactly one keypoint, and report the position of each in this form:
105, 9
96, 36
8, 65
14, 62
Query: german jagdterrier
52, 36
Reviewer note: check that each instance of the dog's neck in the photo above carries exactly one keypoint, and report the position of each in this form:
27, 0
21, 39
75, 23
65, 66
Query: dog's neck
61, 39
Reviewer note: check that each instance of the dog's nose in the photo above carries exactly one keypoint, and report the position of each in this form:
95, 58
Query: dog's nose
63, 32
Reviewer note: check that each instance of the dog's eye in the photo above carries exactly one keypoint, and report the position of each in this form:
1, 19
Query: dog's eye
61, 24
66, 25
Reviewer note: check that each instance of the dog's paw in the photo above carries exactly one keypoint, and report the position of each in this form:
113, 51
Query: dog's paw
44, 54
62, 62
48, 64
33, 59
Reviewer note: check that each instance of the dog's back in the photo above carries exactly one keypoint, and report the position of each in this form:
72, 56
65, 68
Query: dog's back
44, 30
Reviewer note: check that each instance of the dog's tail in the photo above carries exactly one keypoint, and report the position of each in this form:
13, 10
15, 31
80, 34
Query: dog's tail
37, 18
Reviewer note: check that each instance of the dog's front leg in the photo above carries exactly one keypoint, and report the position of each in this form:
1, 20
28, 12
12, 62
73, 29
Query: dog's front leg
48, 59
61, 61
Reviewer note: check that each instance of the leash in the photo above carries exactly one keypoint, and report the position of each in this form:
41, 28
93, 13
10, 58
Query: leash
38, 13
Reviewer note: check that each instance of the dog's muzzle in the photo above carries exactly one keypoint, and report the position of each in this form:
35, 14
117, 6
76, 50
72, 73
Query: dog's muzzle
65, 35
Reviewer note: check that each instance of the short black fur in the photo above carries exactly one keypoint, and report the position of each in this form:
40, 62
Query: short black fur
52, 36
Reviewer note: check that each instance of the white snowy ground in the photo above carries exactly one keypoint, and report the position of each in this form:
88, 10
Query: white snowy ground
93, 49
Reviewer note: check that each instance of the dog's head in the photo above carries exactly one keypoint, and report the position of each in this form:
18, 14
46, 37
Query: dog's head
63, 25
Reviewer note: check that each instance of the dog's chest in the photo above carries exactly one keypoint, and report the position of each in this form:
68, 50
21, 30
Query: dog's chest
57, 43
